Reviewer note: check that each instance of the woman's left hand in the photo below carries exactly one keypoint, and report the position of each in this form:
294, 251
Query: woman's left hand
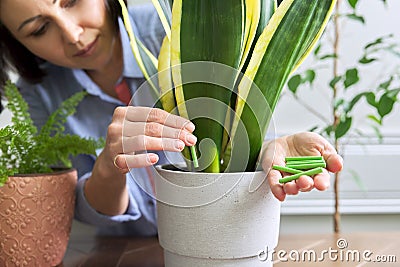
300, 144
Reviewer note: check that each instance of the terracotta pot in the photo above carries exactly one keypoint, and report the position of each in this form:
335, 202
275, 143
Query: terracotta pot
216, 220
36, 213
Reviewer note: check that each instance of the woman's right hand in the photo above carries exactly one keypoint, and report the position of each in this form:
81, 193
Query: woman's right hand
134, 130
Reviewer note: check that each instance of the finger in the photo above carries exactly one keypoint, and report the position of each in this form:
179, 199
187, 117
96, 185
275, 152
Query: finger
143, 143
322, 181
290, 188
158, 130
276, 188
334, 163
124, 162
120, 163
145, 114
305, 183
313, 144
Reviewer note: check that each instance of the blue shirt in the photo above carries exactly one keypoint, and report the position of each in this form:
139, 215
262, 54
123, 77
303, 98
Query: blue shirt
92, 118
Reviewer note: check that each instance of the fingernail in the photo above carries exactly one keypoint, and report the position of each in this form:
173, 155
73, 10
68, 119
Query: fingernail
190, 127
153, 159
191, 139
179, 145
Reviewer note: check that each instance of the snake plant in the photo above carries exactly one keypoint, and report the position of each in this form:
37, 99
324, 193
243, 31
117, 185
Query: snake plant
261, 42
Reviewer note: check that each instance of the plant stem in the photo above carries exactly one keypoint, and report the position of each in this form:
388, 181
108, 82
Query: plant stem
194, 157
336, 118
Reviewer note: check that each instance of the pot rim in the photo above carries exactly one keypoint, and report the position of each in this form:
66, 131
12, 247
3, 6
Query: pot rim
182, 166
57, 171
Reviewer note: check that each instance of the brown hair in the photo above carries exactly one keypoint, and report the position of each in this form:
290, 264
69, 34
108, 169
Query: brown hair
15, 57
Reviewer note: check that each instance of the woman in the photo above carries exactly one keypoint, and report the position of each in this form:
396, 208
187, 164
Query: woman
59, 47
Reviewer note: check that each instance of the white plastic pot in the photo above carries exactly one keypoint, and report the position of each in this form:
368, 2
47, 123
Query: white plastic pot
216, 220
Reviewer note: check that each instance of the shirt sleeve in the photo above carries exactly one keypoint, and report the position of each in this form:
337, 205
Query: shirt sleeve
85, 213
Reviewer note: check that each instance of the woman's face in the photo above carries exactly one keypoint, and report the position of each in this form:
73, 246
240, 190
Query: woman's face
69, 33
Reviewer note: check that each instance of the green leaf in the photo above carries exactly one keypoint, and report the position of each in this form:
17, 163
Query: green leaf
294, 83
366, 60
343, 127
25, 151
163, 8
289, 37
351, 77
328, 130
385, 85
393, 93
309, 76
267, 9
356, 18
353, 3
60, 148
338, 102
334, 81
328, 56
354, 101
18, 107
56, 121
385, 105
374, 119
378, 41
370, 96
196, 36
146, 61
317, 49
165, 83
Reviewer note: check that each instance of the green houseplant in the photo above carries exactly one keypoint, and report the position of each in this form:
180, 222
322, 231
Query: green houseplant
256, 38
243, 52
38, 183
345, 88
24, 150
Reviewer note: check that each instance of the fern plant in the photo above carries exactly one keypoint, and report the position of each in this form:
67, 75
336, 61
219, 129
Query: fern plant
256, 38
25, 150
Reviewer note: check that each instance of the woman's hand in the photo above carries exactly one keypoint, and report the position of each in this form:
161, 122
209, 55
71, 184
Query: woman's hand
133, 130
137, 129
301, 144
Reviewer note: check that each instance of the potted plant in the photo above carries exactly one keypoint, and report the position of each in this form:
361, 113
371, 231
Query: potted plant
223, 65
345, 88
37, 196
